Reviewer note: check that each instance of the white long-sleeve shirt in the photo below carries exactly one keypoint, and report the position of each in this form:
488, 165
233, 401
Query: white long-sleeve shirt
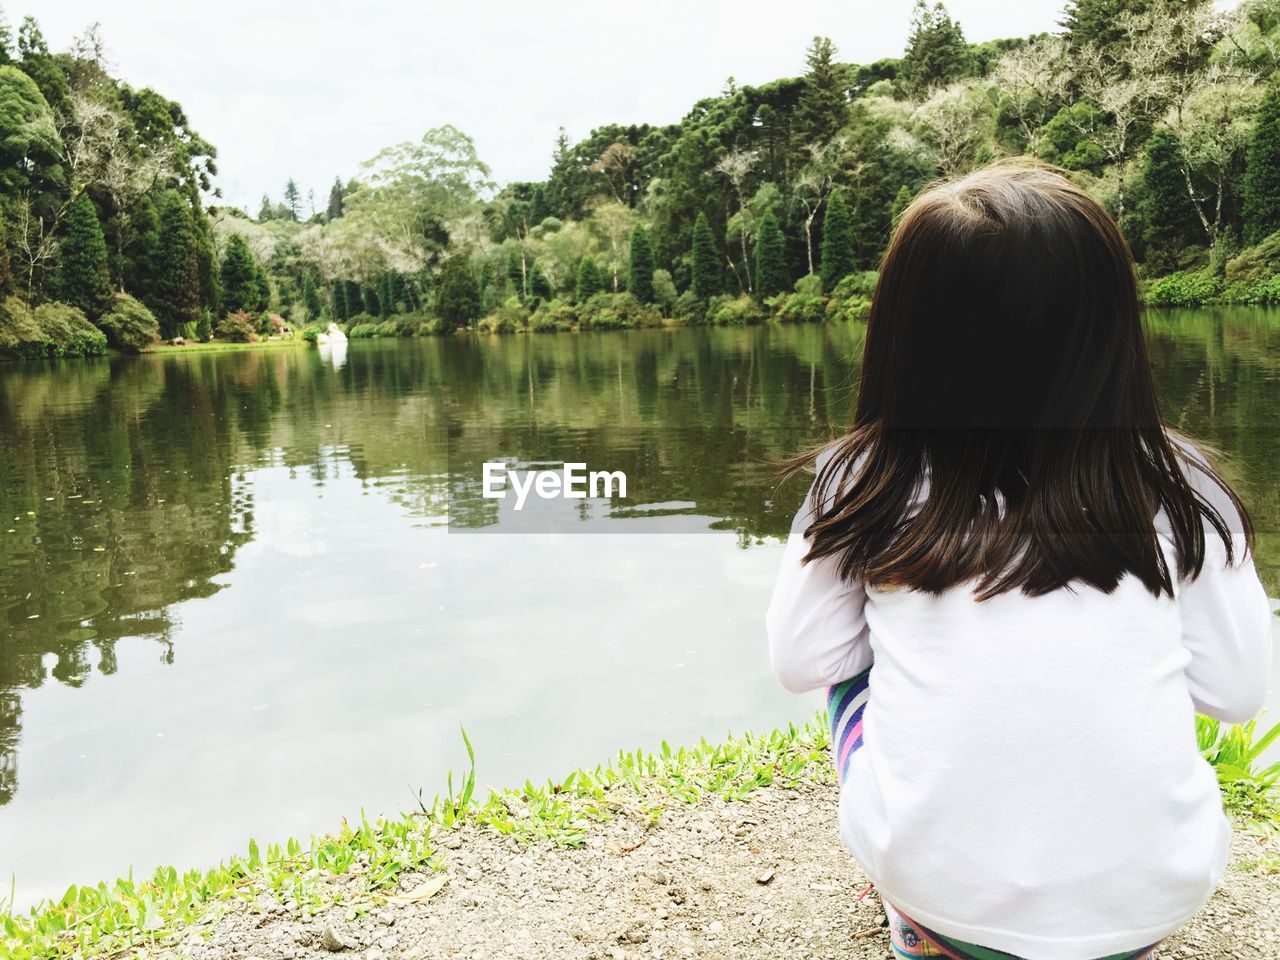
1029, 778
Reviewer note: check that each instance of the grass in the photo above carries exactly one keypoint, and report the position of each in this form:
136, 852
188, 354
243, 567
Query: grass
357, 866
213, 346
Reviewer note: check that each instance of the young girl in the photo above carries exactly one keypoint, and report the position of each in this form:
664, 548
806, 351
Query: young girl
1020, 587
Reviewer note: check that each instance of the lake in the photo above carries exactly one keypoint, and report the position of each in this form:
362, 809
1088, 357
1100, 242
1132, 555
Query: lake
247, 593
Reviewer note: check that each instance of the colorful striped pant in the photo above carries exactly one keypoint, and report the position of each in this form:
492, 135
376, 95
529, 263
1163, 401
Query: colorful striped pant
846, 702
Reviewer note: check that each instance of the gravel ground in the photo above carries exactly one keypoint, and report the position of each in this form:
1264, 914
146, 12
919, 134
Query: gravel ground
767, 878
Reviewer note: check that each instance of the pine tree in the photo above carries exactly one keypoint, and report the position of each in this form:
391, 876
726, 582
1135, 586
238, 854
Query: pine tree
589, 281
141, 254
84, 279
1098, 22
539, 285
389, 296
900, 204
311, 297
706, 263
206, 258
262, 284
515, 274
837, 242
936, 51
176, 292
293, 200
204, 329
640, 277
1169, 218
771, 258
338, 294
372, 303
824, 107
458, 302
334, 209
266, 211
239, 277
1261, 210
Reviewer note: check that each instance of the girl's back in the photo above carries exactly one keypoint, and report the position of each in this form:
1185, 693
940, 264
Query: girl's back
1044, 585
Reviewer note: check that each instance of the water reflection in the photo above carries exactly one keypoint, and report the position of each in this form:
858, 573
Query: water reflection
132, 486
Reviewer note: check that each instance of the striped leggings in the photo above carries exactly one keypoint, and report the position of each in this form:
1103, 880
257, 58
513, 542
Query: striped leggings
846, 702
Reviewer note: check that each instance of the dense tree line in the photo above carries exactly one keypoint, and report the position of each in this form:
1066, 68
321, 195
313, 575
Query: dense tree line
771, 199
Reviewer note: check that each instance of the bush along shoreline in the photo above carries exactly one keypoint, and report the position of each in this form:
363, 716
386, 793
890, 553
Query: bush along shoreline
403, 859
1251, 276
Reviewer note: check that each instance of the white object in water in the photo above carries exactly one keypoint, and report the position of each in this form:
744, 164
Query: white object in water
332, 334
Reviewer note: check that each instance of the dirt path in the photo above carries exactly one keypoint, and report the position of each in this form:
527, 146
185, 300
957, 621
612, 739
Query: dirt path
762, 879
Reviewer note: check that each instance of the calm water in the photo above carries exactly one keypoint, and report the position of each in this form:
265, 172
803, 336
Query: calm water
244, 594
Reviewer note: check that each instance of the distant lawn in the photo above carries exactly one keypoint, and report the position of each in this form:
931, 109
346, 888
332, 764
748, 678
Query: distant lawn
195, 346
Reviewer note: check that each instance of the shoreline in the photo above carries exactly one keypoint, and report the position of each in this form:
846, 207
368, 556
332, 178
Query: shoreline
719, 850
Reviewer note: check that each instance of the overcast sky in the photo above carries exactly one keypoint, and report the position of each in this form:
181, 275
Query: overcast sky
310, 90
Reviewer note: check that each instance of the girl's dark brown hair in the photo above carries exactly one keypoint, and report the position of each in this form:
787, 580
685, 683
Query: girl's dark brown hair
1007, 431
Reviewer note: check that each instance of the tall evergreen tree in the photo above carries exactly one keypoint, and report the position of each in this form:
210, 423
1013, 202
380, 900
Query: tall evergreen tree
338, 294
84, 279
334, 209
706, 263
640, 277
1261, 210
589, 280
458, 299
206, 258
239, 277
1098, 22
141, 253
539, 285
311, 297
837, 242
1169, 219
176, 292
771, 258
370, 299
936, 51
293, 200
824, 106
266, 211
390, 295
901, 201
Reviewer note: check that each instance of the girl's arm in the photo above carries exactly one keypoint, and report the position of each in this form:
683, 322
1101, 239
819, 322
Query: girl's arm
816, 622
1226, 626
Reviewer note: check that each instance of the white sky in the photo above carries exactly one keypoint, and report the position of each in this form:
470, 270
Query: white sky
310, 90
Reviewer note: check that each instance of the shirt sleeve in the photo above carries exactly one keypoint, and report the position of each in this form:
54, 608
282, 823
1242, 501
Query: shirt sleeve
1226, 627
1226, 617
816, 622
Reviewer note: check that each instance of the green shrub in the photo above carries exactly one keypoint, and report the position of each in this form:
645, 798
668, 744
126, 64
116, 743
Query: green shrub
20, 336
204, 329
553, 315
853, 307
362, 331
1183, 290
861, 284
798, 308
430, 327
130, 326
70, 331
1257, 264
361, 320
311, 333
736, 311
238, 327
508, 318
689, 308
809, 285
616, 311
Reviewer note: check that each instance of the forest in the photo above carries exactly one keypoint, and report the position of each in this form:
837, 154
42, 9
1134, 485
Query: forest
768, 202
